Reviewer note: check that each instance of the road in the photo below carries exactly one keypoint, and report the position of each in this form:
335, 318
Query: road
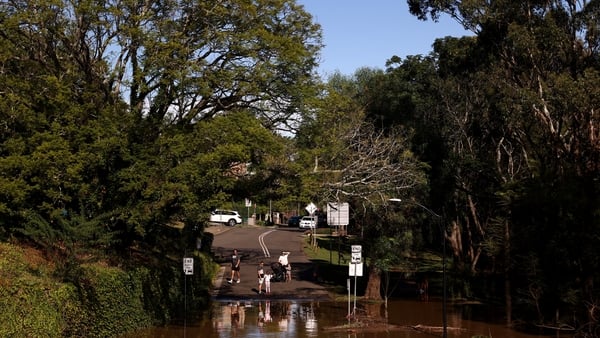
256, 244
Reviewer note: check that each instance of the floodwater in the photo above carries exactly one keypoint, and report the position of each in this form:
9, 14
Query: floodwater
303, 319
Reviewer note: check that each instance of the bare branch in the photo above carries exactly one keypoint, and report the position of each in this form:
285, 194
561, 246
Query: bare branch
377, 166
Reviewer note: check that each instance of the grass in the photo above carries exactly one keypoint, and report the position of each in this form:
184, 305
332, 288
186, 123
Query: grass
332, 255
330, 249
331, 265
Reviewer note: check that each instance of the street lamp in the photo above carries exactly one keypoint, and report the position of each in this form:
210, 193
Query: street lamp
440, 220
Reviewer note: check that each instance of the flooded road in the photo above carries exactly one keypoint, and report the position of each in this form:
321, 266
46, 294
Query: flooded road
300, 319
238, 311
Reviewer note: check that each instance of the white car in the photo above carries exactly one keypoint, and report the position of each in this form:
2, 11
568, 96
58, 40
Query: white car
308, 222
228, 217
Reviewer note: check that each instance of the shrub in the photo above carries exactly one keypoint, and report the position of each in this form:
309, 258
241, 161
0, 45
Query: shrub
98, 300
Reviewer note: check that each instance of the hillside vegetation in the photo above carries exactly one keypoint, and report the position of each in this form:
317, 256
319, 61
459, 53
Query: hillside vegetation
98, 300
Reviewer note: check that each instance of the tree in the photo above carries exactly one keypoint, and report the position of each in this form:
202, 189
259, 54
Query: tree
352, 161
533, 139
107, 98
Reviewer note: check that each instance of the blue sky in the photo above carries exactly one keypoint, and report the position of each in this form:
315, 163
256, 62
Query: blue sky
366, 33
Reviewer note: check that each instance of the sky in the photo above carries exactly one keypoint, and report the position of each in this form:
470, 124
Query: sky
366, 33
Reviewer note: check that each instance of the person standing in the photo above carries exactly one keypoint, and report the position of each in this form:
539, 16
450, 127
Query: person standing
287, 269
268, 282
260, 272
283, 259
288, 273
235, 267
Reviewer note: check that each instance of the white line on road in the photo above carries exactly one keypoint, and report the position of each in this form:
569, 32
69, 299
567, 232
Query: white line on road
263, 246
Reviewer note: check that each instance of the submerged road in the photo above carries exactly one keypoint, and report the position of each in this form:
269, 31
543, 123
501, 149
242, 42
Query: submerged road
255, 244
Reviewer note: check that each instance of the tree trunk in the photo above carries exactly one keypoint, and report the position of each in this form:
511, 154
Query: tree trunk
373, 291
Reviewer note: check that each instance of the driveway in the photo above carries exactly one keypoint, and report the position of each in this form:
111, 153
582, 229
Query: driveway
256, 244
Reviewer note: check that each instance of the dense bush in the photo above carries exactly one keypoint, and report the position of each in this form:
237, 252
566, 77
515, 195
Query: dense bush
103, 300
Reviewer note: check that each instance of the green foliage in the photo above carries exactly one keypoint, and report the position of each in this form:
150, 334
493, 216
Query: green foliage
28, 308
67, 232
147, 118
114, 300
102, 301
124, 123
518, 109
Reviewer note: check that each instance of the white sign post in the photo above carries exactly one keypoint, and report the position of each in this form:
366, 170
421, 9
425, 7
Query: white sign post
338, 215
348, 288
311, 208
188, 266
356, 253
356, 267
188, 269
248, 203
356, 258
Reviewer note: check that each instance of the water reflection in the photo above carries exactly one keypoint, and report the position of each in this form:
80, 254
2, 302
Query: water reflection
298, 319
261, 318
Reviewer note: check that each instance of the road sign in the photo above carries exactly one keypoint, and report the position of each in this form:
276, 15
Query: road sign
355, 270
188, 265
356, 258
338, 213
311, 208
356, 254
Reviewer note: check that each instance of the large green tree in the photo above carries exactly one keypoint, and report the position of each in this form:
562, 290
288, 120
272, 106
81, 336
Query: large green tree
109, 106
350, 160
521, 104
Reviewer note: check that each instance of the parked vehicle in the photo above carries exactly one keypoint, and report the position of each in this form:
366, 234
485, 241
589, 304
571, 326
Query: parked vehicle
229, 217
294, 221
322, 221
308, 222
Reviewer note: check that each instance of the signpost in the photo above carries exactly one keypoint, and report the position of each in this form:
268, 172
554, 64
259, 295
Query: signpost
188, 269
312, 208
188, 266
248, 203
348, 288
355, 268
338, 213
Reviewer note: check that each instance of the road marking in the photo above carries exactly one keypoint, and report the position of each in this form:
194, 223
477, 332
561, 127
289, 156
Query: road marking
263, 246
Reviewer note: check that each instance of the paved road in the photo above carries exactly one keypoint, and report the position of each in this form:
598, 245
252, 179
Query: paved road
256, 244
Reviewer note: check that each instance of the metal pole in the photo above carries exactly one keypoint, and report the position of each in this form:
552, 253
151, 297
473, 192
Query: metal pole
348, 287
354, 310
355, 274
444, 297
185, 305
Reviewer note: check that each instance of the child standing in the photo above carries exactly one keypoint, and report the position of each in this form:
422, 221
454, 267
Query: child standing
268, 282
288, 273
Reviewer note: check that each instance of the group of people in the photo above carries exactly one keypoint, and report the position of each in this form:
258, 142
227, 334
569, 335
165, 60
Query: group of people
264, 279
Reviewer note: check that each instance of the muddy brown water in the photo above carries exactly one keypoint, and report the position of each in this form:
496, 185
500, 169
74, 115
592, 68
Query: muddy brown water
300, 319
237, 311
